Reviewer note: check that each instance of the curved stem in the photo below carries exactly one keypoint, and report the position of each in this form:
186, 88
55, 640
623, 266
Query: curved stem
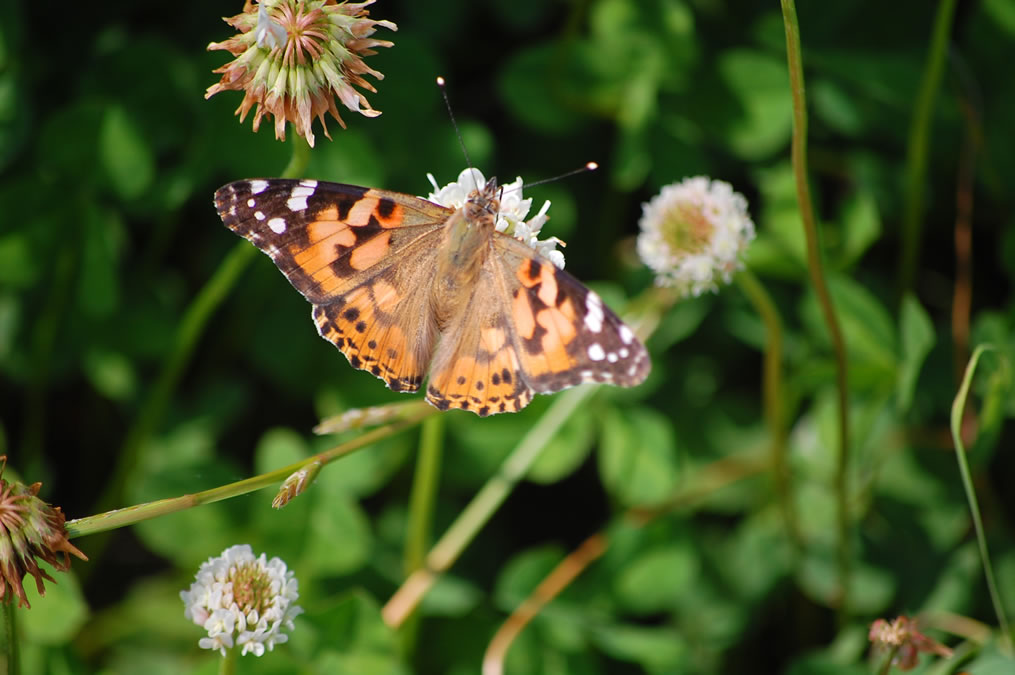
482, 507
421, 507
958, 407
794, 60
916, 147
190, 330
772, 393
133, 514
562, 575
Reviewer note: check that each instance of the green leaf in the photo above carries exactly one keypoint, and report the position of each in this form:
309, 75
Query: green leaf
662, 648
451, 596
760, 84
111, 373
638, 456
99, 287
277, 448
866, 326
916, 334
125, 154
566, 451
861, 227
55, 618
354, 625
656, 579
520, 575
339, 540
19, 268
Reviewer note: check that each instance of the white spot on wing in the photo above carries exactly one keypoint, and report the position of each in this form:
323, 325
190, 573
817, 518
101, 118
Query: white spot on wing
594, 312
596, 352
251, 202
611, 357
626, 335
258, 215
277, 225
309, 182
258, 186
624, 353
298, 197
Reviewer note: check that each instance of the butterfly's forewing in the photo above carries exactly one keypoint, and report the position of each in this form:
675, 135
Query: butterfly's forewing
361, 256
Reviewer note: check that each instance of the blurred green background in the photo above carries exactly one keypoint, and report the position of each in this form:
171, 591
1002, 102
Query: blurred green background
109, 157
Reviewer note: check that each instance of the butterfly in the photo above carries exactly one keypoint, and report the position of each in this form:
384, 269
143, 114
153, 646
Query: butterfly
405, 287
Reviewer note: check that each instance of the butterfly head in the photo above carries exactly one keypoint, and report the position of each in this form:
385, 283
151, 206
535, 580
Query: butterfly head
483, 204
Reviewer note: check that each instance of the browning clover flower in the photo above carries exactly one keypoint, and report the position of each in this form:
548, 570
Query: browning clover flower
29, 529
513, 210
294, 56
242, 600
693, 233
904, 642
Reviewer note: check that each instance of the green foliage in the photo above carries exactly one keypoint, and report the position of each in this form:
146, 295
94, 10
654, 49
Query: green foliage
109, 156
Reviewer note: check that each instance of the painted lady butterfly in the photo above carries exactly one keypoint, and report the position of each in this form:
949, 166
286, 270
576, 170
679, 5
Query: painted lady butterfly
403, 286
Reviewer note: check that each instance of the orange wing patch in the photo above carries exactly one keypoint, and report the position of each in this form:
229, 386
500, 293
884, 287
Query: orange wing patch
484, 384
363, 328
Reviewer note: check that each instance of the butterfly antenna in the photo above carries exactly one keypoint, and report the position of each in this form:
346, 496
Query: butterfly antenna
442, 85
590, 166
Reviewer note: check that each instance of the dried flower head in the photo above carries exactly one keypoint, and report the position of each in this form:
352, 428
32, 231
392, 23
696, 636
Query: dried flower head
30, 529
296, 484
904, 642
294, 56
513, 211
242, 600
693, 234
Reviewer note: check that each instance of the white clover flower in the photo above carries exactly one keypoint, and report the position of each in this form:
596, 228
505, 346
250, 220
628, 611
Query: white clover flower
513, 210
693, 234
242, 600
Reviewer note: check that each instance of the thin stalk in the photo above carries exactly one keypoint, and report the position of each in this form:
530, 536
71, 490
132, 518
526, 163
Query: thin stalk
794, 60
422, 501
917, 146
191, 328
227, 664
958, 407
562, 575
134, 514
482, 507
709, 480
11, 633
772, 397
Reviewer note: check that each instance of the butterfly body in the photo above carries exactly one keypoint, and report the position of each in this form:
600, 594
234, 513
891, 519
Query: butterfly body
405, 287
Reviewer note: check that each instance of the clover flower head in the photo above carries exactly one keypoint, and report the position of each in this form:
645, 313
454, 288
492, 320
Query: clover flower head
902, 638
243, 601
511, 220
293, 57
30, 530
693, 234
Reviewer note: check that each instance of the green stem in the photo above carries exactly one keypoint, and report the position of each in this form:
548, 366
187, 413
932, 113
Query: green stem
482, 507
958, 407
424, 491
886, 665
227, 665
772, 393
190, 330
794, 60
421, 508
917, 146
134, 514
11, 633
